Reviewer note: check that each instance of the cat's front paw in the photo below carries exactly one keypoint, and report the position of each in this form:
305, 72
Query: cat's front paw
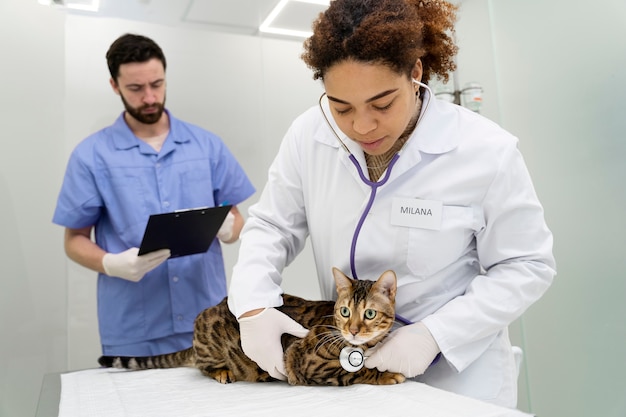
391, 378
223, 376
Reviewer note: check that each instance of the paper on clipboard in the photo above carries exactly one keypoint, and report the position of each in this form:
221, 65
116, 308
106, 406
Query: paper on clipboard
183, 232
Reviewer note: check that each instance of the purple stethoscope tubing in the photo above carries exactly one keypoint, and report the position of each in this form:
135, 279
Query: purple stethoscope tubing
374, 187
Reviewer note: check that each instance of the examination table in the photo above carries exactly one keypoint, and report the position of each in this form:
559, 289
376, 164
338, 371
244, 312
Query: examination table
185, 392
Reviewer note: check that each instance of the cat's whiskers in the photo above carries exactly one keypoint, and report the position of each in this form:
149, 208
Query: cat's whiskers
330, 338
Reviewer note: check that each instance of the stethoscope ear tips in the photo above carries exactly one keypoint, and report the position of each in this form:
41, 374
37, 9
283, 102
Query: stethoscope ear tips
351, 358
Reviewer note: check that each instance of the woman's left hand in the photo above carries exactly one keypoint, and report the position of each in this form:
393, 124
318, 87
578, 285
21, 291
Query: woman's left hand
409, 350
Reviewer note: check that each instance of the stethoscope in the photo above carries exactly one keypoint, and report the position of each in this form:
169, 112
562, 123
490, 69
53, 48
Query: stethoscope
352, 358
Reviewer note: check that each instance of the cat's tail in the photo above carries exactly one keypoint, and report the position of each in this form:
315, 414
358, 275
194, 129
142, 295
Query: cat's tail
170, 360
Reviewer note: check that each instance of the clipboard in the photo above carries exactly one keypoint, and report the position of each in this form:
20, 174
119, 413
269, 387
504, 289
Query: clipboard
183, 232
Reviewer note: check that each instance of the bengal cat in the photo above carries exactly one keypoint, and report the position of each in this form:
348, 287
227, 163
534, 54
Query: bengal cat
362, 316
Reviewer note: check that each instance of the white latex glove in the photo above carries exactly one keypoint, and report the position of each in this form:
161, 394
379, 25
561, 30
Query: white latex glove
129, 266
226, 229
409, 350
260, 339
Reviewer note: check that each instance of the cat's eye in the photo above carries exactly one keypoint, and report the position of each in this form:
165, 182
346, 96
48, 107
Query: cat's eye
370, 313
344, 311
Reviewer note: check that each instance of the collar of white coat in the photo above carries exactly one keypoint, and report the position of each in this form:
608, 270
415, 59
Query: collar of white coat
436, 133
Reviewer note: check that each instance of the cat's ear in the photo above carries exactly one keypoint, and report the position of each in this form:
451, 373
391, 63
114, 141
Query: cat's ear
387, 284
342, 281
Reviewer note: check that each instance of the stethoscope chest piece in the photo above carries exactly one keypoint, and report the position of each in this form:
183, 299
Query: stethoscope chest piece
351, 358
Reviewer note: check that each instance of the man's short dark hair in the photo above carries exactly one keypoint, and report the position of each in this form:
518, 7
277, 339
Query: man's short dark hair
132, 48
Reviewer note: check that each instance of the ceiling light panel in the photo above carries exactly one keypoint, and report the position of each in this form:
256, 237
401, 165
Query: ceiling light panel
293, 17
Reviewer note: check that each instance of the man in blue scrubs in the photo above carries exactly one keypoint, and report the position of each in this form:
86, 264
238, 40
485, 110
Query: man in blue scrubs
147, 162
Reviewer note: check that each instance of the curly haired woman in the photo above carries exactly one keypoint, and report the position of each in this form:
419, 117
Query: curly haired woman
382, 175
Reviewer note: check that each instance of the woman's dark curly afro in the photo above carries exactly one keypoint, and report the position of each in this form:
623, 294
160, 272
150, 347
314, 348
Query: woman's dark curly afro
395, 33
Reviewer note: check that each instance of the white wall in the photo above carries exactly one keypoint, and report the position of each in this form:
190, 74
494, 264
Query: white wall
33, 282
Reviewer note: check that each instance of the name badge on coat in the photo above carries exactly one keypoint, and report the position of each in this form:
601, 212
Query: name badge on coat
413, 212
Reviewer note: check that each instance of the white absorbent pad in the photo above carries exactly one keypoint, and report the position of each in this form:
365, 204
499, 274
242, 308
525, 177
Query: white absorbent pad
185, 392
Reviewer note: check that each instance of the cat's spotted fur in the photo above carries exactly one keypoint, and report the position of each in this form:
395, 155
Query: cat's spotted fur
362, 316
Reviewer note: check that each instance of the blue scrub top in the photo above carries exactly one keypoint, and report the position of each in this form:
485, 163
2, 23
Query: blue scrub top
116, 181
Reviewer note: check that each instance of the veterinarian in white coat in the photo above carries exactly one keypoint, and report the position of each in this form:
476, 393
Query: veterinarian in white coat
457, 219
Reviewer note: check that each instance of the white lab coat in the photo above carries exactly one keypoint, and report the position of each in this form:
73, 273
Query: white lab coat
491, 259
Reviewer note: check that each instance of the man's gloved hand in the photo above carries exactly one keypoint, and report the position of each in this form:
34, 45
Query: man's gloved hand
260, 339
226, 229
409, 350
129, 266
